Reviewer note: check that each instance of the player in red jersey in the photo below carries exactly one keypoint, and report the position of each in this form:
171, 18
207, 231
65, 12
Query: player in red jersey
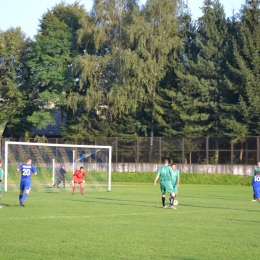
79, 178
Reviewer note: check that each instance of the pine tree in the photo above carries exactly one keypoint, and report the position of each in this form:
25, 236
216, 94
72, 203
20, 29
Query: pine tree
177, 59
157, 48
198, 94
241, 104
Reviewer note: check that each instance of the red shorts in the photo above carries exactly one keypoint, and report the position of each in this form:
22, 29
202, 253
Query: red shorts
76, 180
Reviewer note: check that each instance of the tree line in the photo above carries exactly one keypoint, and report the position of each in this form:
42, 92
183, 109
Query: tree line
124, 70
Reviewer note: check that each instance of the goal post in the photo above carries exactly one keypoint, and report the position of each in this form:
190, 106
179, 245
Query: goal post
96, 160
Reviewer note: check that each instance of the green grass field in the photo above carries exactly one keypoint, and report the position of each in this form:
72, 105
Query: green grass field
211, 222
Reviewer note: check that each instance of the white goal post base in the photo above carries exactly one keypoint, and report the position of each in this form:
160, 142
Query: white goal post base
93, 157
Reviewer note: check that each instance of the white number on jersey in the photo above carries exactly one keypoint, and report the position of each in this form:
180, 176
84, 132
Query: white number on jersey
257, 178
26, 172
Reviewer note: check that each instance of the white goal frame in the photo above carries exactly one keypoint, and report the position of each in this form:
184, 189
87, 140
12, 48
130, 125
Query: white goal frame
60, 145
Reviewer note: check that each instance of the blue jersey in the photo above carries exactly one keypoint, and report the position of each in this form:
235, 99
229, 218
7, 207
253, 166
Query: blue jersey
256, 181
256, 185
26, 172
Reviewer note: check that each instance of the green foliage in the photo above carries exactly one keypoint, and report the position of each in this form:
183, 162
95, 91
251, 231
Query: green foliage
13, 49
186, 178
241, 104
130, 70
215, 179
199, 90
50, 61
108, 56
41, 119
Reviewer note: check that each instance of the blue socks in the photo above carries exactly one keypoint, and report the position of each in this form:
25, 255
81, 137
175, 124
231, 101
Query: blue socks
23, 197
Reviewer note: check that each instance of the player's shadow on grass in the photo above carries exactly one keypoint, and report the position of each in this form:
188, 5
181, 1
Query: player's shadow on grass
8, 205
132, 202
240, 220
211, 196
214, 207
117, 202
141, 201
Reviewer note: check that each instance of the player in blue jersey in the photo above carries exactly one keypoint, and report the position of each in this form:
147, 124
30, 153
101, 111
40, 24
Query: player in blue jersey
165, 173
257, 168
256, 185
26, 169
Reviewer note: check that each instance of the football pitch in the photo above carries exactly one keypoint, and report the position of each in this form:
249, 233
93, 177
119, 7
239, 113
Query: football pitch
210, 222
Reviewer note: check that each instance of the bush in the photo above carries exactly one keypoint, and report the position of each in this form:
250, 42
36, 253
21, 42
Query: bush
186, 178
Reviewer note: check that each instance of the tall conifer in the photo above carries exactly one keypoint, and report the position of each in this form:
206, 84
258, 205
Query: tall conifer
199, 88
241, 104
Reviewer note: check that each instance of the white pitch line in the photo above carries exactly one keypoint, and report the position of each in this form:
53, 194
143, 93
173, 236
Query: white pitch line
68, 217
101, 216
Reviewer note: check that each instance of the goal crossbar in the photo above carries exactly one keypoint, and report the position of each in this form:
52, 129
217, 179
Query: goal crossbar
7, 143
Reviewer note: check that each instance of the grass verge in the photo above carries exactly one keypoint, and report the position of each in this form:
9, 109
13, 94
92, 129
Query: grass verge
186, 178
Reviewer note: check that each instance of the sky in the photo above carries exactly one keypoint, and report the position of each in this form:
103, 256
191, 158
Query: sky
26, 13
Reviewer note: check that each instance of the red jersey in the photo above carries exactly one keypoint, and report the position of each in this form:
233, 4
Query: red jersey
78, 176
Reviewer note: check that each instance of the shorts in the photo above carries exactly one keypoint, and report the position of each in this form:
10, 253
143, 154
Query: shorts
175, 188
257, 192
166, 186
79, 181
24, 185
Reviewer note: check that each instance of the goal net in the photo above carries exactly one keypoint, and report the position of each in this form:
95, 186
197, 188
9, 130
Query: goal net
95, 159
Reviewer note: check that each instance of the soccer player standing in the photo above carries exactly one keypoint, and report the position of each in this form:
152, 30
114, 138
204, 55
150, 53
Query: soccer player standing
79, 178
26, 169
165, 173
1, 181
256, 185
175, 179
257, 168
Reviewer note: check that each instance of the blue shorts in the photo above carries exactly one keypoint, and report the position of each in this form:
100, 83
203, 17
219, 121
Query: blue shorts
257, 192
25, 185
